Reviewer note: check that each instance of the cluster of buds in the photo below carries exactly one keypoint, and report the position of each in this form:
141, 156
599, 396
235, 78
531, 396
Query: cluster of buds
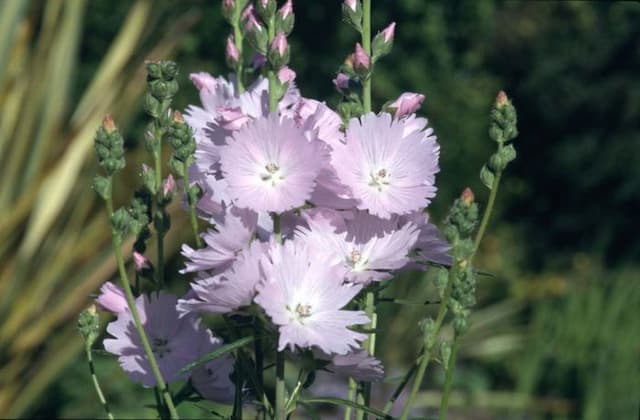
264, 19
459, 227
161, 79
502, 130
89, 325
109, 146
181, 139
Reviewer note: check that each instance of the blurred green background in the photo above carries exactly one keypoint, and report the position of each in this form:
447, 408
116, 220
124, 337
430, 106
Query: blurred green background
556, 333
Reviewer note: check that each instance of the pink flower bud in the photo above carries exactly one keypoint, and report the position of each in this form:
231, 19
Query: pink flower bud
389, 32
145, 168
203, 81
361, 60
233, 55
341, 82
252, 23
168, 185
140, 261
228, 5
112, 298
108, 124
280, 44
351, 4
286, 75
286, 10
249, 10
231, 118
407, 103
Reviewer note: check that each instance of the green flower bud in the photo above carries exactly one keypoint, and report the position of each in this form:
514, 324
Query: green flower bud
169, 70
152, 105
487, 177
445, 352
352, 13
120, 221
266, 9
102, 186
497, 163
383, 42
154, 70
158, 88
89, 325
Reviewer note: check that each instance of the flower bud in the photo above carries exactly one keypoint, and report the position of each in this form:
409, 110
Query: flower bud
169, 70
140, 262
286, 75
341, 82
148, 178
228, 7
258, 61
232, 53
153, 70
120, 221
279, 51
383, 42
467, 196
102, 186
256, 34
168, 186
89, 325
266, 9
108, 124
406, 104
285, 18
352, 13
112, 298
502, 99
361, 61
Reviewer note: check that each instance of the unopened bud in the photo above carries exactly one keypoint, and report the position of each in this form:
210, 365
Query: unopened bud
383, 42
501, 99
266, 8
285, 18
467, 196
279, 51
361, 60
168, 185
228, 7
258, 61
286, 75
108, 124
341, 82
232, 53
112, 298
406, 104
352, 13
140, 261
351, 4
177, 117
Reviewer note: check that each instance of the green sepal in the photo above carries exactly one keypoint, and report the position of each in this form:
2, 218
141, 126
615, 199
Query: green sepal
487, 177
102, 185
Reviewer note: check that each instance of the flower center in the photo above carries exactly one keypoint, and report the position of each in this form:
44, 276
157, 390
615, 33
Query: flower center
355, 260
272, 174
300, 312
160, 346
379, 179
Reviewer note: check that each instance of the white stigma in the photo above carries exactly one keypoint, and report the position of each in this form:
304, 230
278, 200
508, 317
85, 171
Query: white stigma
379, 179
272, 175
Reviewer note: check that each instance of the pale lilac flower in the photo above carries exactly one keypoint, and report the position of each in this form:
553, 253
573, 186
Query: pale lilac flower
286, 75
112, 299
363, 262
389, 32
430, 246
235, 229
230, 290
270, 165
140, 261
406, 104
174, 341
212, 380
231, 51
358, 365
232, 119
387, 172
303, 295
341, 82
361, 60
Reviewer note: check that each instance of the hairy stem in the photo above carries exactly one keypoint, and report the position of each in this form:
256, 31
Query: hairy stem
193, 219
366, 45
116, 240
449, 378
96, 384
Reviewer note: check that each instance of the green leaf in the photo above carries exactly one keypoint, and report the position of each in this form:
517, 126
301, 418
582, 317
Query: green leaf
217, 353
347, 403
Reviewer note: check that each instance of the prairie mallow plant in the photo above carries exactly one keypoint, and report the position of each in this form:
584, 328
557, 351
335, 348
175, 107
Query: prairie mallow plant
301, 216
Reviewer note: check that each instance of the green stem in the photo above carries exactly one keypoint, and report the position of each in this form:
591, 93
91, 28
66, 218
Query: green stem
366, 45
296, 390
117, 249
273, 97
281, 411
487, 213
96, 384
157, 157
396, 394
192, 210
449, 379
427, 353
353, 387
370, 309
237, 39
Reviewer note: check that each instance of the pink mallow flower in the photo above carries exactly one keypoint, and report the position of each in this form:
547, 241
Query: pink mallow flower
212, 380
372, 258
286, 75
303, 295
112, 299
388, 173
358, 365
406, 104
230, 290
270, 165
175, 341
